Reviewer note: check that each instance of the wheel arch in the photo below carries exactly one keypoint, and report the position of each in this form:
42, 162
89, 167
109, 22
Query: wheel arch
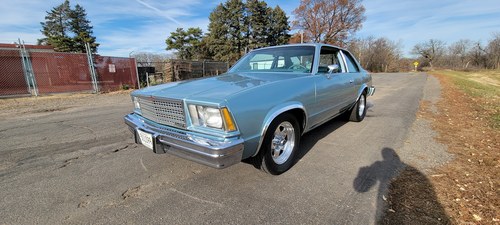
361, 90
296, 109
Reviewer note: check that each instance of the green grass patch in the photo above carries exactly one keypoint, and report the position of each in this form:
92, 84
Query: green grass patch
483, 84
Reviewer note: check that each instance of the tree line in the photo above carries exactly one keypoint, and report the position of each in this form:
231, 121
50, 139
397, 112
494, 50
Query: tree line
463, 54
385, 55
235, 28
238, 26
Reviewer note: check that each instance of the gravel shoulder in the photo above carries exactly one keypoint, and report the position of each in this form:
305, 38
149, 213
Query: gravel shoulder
421, 149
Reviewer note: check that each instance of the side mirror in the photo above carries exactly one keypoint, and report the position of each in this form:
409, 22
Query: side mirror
333, 68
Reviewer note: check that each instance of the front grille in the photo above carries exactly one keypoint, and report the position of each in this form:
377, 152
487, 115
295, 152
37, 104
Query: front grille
166, 112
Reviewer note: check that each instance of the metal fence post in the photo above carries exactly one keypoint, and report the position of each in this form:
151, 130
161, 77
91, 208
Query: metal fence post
203, 66
137, 74
28, 69
25, 70
92, 68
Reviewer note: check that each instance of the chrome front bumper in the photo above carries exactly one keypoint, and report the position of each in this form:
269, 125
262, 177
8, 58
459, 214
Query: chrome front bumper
187, 145
371, 91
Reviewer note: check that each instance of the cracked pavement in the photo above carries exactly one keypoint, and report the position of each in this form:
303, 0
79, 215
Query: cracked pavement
80, 165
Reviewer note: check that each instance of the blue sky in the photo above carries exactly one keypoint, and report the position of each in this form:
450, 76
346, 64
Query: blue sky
128, 26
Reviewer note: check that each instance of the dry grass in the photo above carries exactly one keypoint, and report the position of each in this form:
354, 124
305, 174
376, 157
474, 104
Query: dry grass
468, 123
484, 89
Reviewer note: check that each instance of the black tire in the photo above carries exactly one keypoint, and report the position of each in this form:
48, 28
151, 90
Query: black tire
273, 162
358, 112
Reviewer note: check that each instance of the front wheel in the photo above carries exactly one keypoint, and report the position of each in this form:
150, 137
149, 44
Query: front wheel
359, 111
280, 144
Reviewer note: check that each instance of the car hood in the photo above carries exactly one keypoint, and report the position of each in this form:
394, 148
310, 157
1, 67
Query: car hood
214, 88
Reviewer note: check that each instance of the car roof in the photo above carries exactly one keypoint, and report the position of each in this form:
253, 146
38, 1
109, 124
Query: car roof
303, 44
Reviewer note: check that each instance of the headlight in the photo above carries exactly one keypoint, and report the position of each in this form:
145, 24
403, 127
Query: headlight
137, 105
205, 116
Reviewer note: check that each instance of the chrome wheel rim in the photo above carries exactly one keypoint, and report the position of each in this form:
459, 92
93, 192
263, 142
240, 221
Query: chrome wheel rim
283, 142
361, 108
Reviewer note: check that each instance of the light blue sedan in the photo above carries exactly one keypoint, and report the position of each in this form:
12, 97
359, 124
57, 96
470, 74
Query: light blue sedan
259, 109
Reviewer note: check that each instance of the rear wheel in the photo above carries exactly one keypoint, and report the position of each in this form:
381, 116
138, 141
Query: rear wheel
280, 144
358, 112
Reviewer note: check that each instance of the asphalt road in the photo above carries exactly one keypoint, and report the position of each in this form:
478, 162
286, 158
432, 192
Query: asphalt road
80, 165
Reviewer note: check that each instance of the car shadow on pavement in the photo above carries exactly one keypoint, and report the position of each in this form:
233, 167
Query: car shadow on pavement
405, 195
310, 139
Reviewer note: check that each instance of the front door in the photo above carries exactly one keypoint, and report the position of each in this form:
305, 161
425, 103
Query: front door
333, 90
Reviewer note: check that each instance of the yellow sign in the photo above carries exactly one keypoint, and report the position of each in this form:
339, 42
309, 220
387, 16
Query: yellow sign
415, 63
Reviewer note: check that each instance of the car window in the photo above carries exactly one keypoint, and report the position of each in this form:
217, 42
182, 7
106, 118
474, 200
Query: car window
280, 59
329, 56
351, 63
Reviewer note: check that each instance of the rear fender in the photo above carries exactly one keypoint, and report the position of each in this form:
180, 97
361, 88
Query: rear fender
360, 92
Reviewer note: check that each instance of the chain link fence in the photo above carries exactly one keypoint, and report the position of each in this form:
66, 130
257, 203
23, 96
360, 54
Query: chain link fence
12, 77
115, 73
39, 70
57, 72
33, 70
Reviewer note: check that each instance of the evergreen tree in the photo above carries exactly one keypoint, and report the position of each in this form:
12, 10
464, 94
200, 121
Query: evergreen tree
67, 30
56, 27
278, 28
228, 31
82, 30
259, 22
186, 42
218, 36
236, 27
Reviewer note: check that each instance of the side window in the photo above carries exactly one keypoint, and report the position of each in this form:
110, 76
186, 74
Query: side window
329, 56
351, 63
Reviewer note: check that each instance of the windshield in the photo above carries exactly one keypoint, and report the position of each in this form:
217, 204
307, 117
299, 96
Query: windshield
296, 59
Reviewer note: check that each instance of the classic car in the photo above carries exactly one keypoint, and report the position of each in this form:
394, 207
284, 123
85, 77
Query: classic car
258, 110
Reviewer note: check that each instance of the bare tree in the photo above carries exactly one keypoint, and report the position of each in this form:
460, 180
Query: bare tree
148, 59
329, 21
431, 50
494, 51
377, 55
459, 54
478, 55
361, 48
